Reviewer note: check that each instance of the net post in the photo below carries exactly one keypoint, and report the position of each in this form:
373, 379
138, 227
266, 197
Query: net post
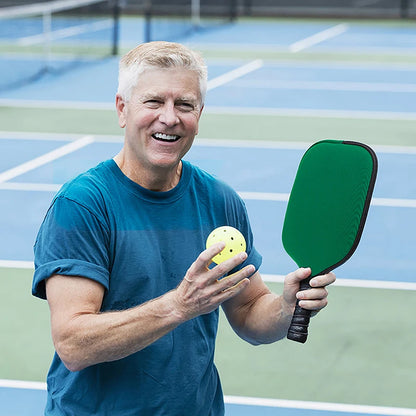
233, 10
404, 9
47, 28
196, 13
147, 21
116, 28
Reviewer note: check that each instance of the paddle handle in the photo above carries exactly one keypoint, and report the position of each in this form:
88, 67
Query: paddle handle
298, 330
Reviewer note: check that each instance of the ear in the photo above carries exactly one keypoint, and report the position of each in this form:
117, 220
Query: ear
121, 110
200, 111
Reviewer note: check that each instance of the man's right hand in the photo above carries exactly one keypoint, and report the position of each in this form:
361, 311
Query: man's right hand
203, 289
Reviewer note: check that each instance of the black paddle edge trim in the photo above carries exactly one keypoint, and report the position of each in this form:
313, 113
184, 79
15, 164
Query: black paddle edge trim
366, 206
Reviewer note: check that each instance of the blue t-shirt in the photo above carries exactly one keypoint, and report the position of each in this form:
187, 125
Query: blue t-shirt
138, 244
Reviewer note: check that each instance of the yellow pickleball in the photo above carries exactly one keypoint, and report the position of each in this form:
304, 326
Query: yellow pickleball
234, 240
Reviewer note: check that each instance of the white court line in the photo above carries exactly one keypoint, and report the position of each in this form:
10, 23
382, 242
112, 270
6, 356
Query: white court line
262, 402
270, 278
306, 112
39, 136
394, 202
64, 33
318, 37
46, 158
200, 141
254, 196
28, 186
41, 8
17, 264
234, 74
21, 384
307, 405
331, 86
265, 196
358, 283
254, 111
56, 104
284, 197
282, 145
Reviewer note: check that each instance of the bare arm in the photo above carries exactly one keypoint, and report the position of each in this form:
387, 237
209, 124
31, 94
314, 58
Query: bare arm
261, 317
84, 336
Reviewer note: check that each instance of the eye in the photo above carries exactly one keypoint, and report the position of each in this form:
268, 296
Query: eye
185, 106
153, 103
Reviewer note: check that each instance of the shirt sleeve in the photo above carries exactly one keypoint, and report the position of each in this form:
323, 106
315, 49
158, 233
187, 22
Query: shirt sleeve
72, 241
238, 218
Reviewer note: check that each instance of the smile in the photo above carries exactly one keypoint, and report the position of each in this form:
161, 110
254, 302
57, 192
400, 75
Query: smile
166, 137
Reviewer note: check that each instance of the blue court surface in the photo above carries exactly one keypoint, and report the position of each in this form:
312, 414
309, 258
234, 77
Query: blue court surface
265, 188
34, 165
30, 402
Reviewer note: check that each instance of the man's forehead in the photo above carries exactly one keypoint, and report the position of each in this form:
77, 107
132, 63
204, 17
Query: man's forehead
164, 94
186, 92
177, 83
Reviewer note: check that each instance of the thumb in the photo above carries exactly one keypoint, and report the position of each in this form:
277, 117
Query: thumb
291, 284
295, 277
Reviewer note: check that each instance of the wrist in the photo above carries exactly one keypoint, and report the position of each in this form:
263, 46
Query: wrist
176, 307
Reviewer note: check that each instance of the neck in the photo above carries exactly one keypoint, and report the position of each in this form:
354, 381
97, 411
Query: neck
158, 180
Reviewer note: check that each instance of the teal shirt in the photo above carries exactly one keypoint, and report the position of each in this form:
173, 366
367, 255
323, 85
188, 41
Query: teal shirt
138, 244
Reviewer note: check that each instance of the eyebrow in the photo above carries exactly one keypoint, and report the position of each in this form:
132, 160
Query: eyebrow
157, 96
150, 95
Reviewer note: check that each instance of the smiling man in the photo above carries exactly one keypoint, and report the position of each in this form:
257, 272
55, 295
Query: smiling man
121, 259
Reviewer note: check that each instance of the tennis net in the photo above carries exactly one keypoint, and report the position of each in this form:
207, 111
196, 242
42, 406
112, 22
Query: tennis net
177, 19
54, 36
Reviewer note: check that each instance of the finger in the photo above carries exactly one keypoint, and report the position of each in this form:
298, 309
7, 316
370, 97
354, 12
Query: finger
205, 258
312, 294
295, 277
323, 280
313, 305
229, 282
232, 288
232, 291
225, 267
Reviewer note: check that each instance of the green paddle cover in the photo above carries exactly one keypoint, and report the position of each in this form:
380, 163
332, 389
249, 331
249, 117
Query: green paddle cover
328, 206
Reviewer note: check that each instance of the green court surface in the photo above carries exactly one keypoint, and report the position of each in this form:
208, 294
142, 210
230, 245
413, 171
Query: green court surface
221, 124
360, 350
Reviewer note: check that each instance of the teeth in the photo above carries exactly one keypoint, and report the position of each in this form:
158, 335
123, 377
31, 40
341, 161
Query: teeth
163, 136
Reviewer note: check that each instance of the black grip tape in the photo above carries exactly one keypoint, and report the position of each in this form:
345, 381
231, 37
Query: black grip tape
298, 330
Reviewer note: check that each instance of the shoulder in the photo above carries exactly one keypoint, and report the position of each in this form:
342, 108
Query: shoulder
209, 182
89, 187
84, 196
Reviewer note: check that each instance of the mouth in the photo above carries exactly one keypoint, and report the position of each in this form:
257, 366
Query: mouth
162, 137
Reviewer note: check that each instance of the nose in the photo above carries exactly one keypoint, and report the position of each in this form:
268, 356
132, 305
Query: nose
168, 115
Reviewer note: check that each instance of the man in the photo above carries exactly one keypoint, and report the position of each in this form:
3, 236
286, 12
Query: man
120, 258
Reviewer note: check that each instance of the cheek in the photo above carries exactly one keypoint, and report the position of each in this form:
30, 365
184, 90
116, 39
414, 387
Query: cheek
139, 118
191, 123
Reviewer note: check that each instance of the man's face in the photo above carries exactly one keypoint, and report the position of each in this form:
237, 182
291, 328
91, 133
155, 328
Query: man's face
161, 118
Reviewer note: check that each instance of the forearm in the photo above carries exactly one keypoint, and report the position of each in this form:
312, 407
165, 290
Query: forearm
264, 321
262, 317
84, 336
91, 338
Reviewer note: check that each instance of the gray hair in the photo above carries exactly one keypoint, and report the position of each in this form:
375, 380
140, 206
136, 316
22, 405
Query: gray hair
159, 55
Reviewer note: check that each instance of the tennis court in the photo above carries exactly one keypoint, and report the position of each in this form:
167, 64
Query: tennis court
275, 87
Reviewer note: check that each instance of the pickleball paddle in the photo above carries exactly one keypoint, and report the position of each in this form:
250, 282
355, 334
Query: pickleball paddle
326, 212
